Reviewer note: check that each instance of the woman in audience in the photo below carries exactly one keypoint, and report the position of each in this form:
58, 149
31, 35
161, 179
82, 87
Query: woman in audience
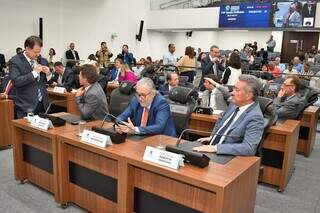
187, 64
51, 58
275, 71
126, 74
231, 74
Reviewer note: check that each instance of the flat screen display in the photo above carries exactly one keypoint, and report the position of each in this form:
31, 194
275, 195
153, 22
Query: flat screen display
290, 14
246, 15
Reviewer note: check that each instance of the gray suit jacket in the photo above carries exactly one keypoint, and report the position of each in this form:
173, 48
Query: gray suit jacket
220, 95
93, 105
245, 134
289, 108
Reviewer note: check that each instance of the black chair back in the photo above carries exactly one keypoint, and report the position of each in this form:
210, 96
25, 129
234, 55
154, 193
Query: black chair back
120, 98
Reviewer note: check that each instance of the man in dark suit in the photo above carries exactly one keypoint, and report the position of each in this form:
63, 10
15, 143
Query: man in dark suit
172, 81
147, 113
2, 62
28, 72
90, 98
126, 56
240, 129
211, 64
63, 76
288, 104
72, 54
309, 9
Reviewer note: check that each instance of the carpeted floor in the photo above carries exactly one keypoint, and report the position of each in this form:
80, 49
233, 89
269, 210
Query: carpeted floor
302, 194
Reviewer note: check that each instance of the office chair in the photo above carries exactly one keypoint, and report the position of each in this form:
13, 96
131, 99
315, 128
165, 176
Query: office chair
120, 98
181, 107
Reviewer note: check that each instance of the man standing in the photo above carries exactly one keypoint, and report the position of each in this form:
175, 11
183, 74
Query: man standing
28, 72
72, 54
126, 56
240, 129
147, 113
271, 44
103, 55
170, 58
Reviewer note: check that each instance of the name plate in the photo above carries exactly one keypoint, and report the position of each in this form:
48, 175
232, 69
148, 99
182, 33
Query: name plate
163, 158
96, 139
59, 89
41, 123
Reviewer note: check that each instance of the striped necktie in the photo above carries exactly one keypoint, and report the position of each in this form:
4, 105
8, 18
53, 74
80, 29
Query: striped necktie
32, 64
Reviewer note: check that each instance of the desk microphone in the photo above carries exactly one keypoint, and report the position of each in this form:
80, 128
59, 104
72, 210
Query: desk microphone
53, 102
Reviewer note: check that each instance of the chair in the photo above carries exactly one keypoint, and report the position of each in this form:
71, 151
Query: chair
183, 79
181, 107
120, 98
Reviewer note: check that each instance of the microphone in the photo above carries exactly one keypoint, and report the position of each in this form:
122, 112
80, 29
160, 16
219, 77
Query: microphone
53, 102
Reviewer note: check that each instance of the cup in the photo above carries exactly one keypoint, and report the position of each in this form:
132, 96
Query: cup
30, 116
82, 126
161, 144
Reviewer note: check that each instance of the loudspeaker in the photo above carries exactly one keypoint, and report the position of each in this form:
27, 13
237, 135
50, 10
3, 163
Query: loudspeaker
189, 34
139, 36
41, 28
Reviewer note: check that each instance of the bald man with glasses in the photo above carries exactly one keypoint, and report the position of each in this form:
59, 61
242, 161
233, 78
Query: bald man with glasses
147, 113
288, 104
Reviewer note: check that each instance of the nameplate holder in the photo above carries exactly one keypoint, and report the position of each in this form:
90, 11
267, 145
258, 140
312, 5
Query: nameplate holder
96, 139
59, 89
41, 123
162, 157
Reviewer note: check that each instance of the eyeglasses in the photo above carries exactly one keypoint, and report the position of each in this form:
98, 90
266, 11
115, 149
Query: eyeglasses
139, 95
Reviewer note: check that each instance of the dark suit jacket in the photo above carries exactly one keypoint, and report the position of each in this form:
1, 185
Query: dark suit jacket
26, 85
160, 120
164, 89
289, 108
247, 131
102, 80
67, 79
2, 61
207, 67
69, 55
305, 10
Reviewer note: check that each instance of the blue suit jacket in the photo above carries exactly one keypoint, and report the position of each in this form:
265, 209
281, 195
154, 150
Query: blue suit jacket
160, 120
26, 86
113, 74
247, 131
67, 78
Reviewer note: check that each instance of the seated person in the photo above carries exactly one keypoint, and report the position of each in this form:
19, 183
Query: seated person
63, 76
290, 71
102, 79
7, 90
215, 95
115, 72
147, 113
90, 98
127, 75
172, 81
306, 72
288, 104
240, 129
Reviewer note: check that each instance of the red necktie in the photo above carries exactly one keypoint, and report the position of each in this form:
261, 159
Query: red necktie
144, 118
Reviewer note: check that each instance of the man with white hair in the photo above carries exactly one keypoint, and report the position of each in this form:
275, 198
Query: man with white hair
147, 113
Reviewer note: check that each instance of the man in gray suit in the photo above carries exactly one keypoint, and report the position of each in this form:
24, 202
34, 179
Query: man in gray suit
239, 130
288, 104
215, 95
90, 98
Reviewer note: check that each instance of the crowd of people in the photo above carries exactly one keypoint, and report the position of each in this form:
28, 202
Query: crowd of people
217, 81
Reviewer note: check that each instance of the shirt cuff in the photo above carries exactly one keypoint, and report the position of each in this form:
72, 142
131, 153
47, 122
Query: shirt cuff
35, 74
136, 129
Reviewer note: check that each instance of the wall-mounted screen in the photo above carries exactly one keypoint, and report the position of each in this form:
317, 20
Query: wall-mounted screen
246, 15
294, 14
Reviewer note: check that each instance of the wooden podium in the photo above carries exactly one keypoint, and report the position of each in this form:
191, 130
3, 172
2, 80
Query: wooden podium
6, 115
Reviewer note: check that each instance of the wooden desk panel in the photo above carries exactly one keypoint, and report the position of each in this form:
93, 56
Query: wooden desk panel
6, 115
68, 97
282, 138
217, 187
35, 154
309, 122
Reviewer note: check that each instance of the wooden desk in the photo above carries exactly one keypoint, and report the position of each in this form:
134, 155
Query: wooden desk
116, 179
279, 148
68, 97
35, 154
308, 130
6, 115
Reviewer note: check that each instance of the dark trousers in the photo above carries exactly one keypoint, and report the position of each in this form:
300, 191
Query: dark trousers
39, 109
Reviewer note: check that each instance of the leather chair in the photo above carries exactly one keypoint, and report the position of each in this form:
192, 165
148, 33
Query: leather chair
120, 98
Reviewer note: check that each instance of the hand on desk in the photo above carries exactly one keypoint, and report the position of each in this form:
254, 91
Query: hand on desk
127, 128
204, 140
205, 148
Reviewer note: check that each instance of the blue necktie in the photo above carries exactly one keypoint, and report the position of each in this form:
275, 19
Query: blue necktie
32, 63
221, 132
